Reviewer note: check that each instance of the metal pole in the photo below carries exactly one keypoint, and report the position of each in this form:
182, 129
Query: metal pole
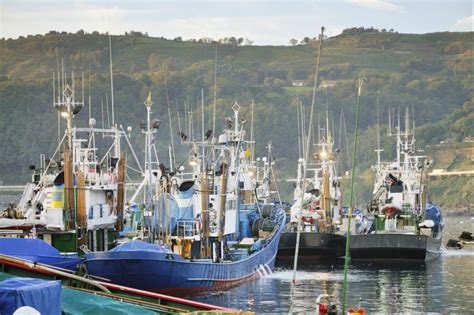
351, 195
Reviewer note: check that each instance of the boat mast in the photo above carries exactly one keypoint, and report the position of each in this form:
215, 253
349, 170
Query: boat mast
379, 150
148, 169
111, 73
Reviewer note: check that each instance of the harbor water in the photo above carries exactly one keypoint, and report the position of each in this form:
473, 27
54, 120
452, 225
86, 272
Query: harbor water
442, 286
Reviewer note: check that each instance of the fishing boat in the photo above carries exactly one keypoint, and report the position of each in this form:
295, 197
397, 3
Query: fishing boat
315, 220
209, 229
399, 223
321, 236
75, 199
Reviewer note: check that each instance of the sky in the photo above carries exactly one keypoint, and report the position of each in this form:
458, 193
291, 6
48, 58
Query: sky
264, 22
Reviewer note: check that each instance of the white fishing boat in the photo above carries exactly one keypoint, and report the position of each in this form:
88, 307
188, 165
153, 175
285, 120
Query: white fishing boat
75, 198
400, 223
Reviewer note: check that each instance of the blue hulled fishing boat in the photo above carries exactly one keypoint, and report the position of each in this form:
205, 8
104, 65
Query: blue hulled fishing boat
212, 228
153, 268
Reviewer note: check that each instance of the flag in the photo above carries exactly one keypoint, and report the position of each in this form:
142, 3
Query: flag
148, 101
248, 153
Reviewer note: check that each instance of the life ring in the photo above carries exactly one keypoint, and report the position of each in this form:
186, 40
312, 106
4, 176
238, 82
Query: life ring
309, 220
390, 210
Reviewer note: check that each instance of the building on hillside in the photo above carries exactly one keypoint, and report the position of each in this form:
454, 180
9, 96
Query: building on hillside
327, 83
297, 83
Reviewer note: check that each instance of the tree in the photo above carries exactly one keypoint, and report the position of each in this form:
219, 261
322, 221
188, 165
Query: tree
154, 61
293, 42
305, 40
232, 41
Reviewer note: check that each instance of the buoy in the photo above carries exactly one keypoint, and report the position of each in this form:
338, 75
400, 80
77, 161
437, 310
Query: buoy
352, 311
454, 244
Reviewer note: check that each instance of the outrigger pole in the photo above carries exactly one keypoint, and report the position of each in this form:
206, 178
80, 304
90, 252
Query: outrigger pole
305, 163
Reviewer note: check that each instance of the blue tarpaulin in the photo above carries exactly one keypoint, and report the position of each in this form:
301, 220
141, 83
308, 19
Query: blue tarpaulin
26, 246
434, 213
140, 246
42, 295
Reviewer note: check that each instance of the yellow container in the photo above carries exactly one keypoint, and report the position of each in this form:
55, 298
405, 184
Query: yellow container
57, 197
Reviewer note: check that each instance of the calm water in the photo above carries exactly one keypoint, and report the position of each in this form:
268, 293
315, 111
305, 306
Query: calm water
445, 285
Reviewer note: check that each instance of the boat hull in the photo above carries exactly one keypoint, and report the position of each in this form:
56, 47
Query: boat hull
170, 273
165, 275
391, 247
313, 247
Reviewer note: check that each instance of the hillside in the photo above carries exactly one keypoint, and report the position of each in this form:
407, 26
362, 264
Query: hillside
430, 74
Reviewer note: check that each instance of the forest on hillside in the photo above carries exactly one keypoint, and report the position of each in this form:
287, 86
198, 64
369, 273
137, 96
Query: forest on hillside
430, 75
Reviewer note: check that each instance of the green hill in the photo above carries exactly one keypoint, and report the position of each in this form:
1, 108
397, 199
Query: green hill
429, 73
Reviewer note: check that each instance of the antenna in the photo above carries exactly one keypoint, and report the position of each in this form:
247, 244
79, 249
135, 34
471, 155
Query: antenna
319, 128
378, 133
186, 122
73, 87
89, 86
340, 129
107, 107
169, 117
299, 130
202, 113
302, 126
63, 85
378, 123
54, 98
333, 134
111, 72
82, 81
54, 88
191, 123
251, 132
102, 108
407, 122
327, 116
215, 94
327, 125
398, 117
177, 115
